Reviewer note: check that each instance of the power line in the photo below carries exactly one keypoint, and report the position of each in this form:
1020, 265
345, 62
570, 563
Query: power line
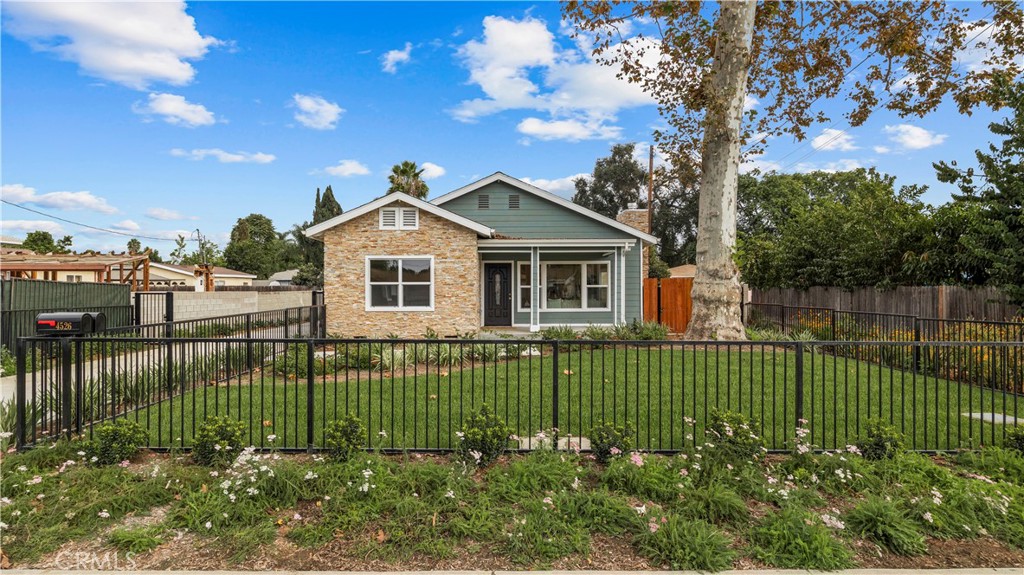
80, 224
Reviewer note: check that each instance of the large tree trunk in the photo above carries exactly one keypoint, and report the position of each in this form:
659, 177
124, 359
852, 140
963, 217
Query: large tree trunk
716, 288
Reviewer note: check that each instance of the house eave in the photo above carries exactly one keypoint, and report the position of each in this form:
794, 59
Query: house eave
316, 232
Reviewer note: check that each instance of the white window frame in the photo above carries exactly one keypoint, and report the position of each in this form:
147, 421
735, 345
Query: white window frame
519, 287
401, 293
584, 285
399, 218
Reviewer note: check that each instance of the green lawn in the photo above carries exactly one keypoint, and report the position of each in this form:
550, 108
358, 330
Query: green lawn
652, 389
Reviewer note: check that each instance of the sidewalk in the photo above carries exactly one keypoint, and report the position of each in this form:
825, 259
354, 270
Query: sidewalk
1003, 571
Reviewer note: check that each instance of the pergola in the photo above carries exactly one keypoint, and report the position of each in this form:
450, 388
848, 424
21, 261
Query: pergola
132, 269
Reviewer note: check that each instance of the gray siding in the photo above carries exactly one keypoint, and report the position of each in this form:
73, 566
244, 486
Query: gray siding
535, 218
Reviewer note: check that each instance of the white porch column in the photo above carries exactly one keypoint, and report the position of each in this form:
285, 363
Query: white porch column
622, 285
535, 289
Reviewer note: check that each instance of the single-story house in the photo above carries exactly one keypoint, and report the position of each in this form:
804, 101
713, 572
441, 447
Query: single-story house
683, 271
497, 253
163, 275
282, 278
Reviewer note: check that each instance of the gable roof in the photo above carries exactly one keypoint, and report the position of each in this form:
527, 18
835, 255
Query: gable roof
189, 269
546, 195
316, 232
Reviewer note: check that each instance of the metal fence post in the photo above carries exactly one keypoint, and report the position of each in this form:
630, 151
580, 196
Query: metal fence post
79, 384
19, 394
799, 382
286, 323
835, 334
917, 345
169, 314
314, 321
248, 344
309, 395
65, 386
138, 308
554, 395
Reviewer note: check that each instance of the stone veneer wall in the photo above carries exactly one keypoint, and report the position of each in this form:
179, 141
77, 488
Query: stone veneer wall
456, 277
638, 219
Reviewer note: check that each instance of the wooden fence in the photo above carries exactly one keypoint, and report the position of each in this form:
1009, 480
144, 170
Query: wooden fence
942, 302
667, 301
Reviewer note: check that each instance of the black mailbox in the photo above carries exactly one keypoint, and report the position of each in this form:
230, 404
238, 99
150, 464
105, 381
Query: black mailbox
70, 323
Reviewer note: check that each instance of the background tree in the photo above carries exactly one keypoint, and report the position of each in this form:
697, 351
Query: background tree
42, 243
787, 56
617, 181
311, 271
997, 187
134, 246
255, 246
408, 178
205, 252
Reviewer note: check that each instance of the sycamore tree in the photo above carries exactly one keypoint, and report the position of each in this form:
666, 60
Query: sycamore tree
707, 60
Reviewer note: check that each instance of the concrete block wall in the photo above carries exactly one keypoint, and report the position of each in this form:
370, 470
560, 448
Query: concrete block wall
199, 305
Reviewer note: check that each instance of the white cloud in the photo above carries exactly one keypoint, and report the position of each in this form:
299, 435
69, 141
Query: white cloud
225, 157
348, 168
641, 153
983, 46
750, 102
882, 149
571, 130
21, 194
912, 137
431, 170
176, 110
126, 226
165, 214
392, 58
844, 165
562, 186
130, 43
833, 139
316, 112
8, 226
752, 162
519, 65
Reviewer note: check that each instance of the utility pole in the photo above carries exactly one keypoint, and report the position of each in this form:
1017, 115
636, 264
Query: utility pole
650, 191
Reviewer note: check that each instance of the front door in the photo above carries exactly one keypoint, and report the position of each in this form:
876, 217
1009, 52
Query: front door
497, 294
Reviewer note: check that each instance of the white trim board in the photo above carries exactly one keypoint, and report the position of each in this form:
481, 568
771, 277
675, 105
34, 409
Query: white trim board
316, 232
546, 195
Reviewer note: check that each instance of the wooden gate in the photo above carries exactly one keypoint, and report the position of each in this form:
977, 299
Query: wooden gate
667, 301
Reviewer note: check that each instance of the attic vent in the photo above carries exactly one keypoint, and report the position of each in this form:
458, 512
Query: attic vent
483, 202
399, 219
389, 219
410, 219
513, 201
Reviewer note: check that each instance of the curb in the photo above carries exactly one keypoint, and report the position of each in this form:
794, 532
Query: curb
968, 571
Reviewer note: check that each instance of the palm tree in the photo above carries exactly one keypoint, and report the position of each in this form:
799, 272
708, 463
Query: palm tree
407, 178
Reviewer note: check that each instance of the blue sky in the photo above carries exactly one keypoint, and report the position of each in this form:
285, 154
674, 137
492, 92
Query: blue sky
157, 119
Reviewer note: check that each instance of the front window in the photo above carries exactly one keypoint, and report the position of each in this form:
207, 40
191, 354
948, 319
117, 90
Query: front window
576, 286
525, 287
400, 283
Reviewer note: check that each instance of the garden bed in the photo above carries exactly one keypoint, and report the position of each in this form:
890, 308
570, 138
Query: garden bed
711, 507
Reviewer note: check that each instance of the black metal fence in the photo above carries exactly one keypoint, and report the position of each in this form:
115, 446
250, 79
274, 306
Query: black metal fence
415, 394
838, 325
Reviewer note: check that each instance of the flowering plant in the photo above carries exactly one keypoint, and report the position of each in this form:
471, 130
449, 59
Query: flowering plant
608, 440
218, 441
483, 438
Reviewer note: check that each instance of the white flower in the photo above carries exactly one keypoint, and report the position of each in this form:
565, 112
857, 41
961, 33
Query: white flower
310, 475
297, 517
271, 438
928, 517
22, 468
460, 435
450, 494
642, 510
103, 514
208, 525
382, 433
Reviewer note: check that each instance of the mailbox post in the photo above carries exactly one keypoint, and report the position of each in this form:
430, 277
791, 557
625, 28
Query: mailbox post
69, 327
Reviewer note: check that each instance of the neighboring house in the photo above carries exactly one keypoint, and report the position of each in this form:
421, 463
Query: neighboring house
283, 278
163, 275
9, 242
496, 253
683, 271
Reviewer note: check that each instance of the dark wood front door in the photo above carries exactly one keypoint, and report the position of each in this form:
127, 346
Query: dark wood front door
497, 294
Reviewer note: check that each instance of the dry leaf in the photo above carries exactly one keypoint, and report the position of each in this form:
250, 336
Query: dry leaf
5, 561
204, 489
381, 536
433, 522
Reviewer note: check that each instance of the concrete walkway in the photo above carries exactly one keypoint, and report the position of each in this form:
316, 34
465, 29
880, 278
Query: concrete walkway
1002, 571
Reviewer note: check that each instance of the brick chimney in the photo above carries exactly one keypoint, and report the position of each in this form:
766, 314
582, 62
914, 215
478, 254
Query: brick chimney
637, 218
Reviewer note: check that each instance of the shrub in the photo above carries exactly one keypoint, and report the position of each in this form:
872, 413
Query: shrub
559, 332
7, 363
598, 333
715, 503
484, 437
117, 441
135, 541
881, 522
794, 539
685, 544
1015, 438
607, 440
649, 330
880, 441
648, 478
218, 441
342, 437
734, 435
